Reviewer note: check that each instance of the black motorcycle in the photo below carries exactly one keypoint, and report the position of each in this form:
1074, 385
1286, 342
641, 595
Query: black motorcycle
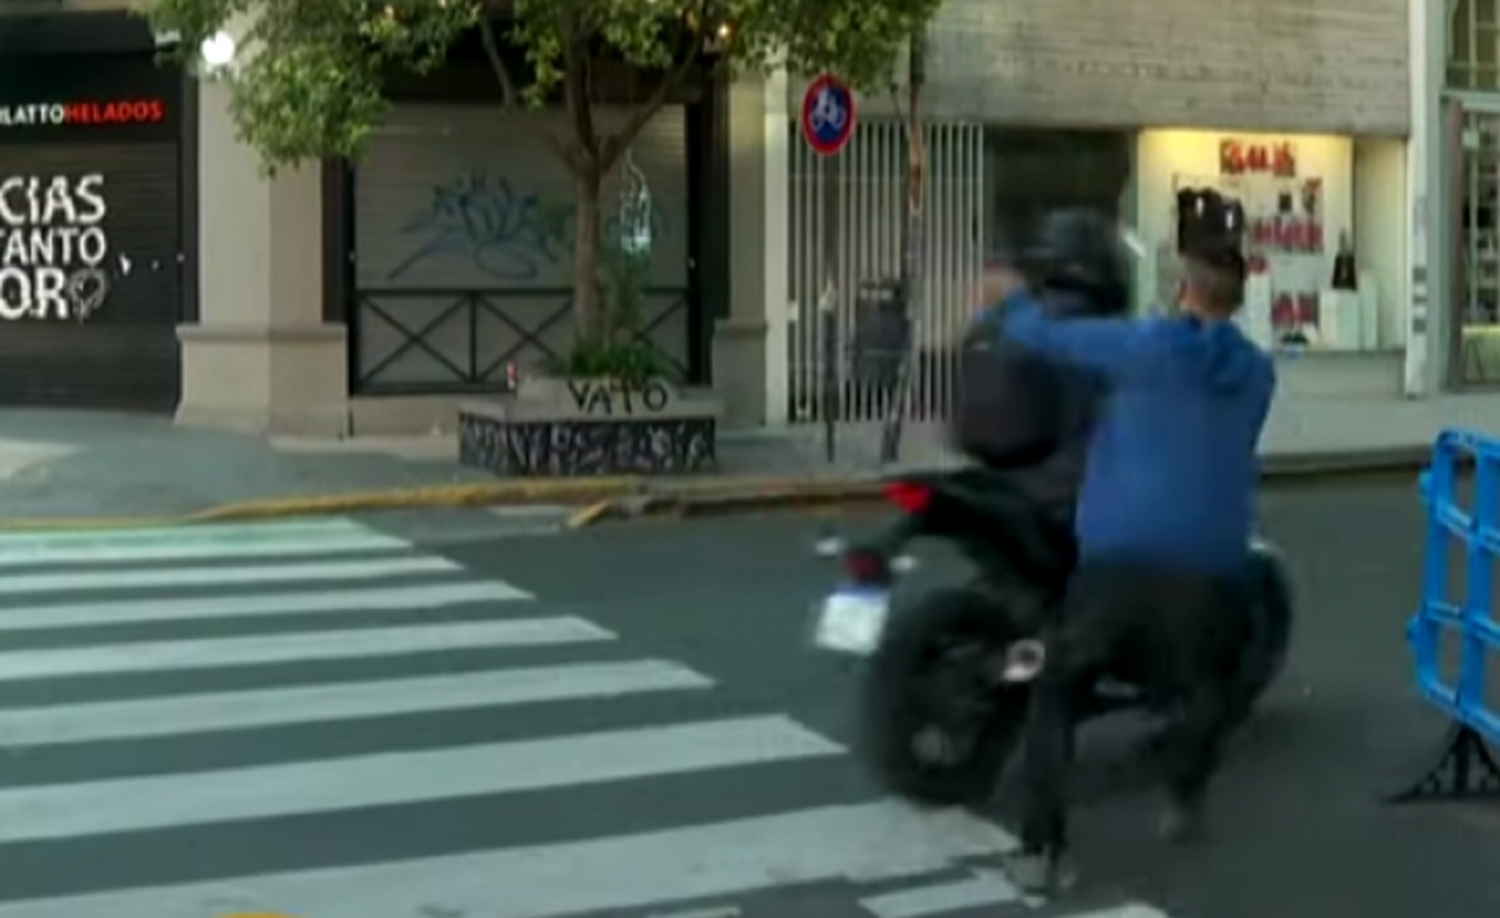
945, 690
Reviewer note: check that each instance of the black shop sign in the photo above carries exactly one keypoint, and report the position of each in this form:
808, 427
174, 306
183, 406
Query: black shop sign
56, 259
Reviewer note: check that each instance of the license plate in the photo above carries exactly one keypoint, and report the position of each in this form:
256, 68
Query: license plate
852, 621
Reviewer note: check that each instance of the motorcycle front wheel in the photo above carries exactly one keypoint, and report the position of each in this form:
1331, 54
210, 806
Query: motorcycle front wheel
935, 725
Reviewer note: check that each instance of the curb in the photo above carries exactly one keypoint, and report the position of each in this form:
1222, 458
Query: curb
602, 499
720, 498
593, 491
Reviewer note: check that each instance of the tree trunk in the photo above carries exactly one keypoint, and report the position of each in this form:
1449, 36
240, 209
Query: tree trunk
913, 243
588, 313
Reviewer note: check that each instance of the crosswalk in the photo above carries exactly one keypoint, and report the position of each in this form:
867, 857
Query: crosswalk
321, 720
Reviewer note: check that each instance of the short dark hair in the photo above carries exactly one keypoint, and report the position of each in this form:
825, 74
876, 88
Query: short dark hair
1219, 286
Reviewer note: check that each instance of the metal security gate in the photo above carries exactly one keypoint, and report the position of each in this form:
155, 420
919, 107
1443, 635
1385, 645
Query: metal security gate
463, 248
91, 247
858, 226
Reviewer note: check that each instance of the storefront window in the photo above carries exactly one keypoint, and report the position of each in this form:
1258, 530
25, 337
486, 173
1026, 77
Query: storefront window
1310, 287
1478, 277
1031, 172
1472, 165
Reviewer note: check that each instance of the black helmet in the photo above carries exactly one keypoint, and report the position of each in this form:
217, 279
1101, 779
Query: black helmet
1082, 251
1211, 228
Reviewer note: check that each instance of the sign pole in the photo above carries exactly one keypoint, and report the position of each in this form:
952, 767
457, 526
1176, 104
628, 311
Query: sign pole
828, 123
828, 318
828, 307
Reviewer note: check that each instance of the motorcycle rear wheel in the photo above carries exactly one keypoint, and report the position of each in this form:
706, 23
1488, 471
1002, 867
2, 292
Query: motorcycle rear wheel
935, 728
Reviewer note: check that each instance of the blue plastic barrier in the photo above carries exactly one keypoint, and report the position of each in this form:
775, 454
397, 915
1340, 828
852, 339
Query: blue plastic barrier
1465, 767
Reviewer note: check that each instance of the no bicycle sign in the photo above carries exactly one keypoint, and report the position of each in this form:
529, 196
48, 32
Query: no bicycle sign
828, 114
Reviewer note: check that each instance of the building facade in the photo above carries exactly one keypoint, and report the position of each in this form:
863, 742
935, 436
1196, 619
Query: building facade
1303, 112
148, 262
336, 299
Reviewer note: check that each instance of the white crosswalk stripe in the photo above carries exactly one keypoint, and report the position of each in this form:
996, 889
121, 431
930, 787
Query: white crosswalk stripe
241, 691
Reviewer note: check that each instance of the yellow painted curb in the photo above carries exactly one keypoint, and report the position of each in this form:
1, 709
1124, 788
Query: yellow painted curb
556, 491
83, 523
589, 515
598, 497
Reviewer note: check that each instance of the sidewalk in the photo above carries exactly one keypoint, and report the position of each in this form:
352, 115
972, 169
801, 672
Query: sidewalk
57, 464
93, 467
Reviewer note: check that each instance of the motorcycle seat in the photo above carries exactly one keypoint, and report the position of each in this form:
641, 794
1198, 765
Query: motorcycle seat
1044, 539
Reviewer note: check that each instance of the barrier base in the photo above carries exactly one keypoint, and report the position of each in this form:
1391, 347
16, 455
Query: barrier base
1465, 770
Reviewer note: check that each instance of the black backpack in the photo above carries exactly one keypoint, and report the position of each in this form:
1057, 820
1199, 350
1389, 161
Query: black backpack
1007, 400
1013, 407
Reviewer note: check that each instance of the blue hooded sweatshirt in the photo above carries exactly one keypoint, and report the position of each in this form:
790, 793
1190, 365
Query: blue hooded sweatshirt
1172, 468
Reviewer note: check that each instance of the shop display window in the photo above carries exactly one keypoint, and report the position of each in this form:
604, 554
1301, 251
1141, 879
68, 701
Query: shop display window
1306, 290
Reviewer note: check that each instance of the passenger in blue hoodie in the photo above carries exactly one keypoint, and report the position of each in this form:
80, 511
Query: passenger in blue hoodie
1163, 524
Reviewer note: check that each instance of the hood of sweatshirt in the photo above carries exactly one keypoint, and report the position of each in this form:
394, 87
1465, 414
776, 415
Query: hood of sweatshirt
1218, 352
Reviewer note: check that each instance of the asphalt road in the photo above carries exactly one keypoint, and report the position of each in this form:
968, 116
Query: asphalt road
331, 722
1298, 827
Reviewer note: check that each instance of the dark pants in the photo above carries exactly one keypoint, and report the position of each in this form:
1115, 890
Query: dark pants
1177, 635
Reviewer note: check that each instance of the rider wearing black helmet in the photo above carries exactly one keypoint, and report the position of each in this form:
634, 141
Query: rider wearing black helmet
1024, 414
1082, 256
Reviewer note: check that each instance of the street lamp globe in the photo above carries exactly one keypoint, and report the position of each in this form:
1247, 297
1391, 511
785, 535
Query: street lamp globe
217, 49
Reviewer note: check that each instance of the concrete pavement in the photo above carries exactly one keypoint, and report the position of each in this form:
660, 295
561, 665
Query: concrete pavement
86, 468
318, 718
326, 719
58, 464
1298, 829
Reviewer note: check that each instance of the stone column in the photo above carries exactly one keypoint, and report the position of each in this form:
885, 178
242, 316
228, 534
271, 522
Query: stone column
1433, 319
750, 354
260, 358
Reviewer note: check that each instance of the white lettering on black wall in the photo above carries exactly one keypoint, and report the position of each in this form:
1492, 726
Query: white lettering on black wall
33, 115
52, 247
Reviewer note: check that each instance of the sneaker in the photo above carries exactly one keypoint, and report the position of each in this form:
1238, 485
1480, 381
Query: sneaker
1040, 873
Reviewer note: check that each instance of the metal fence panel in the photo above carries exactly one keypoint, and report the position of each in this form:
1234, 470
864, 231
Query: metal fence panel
847, 215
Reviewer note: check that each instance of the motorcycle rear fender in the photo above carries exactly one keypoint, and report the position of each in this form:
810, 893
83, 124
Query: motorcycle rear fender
959, 515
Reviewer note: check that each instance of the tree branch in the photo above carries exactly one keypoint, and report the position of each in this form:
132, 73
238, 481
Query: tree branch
511, 96
576, 89
614, 146
497, 63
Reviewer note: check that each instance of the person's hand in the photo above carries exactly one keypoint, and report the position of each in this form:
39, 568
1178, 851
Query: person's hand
1000, 281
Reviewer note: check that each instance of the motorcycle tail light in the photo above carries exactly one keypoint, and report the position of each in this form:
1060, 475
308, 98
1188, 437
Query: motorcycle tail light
909, 497
863, 567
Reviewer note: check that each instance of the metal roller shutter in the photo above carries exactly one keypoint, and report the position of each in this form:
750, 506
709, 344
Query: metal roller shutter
458, 272
104, 337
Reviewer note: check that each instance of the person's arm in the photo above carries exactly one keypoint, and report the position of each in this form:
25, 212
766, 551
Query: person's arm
1263, 410
1105, 345
1262, 413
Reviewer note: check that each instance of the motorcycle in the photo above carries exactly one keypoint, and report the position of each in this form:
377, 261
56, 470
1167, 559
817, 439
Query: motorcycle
945, 684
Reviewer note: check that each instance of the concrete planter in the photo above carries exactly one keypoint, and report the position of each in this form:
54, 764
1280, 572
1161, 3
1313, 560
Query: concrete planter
558, 426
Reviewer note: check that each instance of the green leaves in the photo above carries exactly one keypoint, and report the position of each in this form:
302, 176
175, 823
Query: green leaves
307, 82
860, 40
307, 78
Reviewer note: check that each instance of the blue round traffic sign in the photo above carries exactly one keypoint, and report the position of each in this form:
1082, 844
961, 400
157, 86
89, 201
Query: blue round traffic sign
828, 114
